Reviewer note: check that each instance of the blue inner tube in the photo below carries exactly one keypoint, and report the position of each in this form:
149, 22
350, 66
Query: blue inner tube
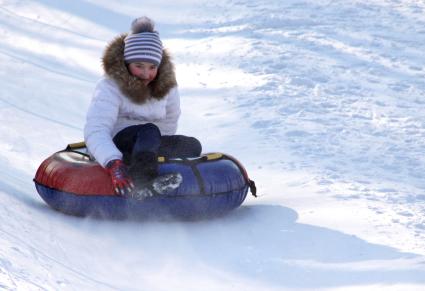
212, 185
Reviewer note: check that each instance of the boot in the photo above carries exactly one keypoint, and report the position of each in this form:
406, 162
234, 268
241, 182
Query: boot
144, 171
143, 168
160, 185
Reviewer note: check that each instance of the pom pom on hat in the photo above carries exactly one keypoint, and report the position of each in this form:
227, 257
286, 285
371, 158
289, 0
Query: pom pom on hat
142, 24
143, 43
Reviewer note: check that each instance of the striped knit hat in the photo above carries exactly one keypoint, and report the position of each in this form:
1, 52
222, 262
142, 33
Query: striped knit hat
143, 43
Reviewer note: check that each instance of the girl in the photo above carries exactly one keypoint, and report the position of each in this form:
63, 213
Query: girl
133, 116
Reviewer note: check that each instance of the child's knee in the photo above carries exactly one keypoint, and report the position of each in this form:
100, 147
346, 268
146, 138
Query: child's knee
195, 145
149, 129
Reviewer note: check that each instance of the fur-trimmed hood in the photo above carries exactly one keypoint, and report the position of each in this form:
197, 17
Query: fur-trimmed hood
131, 86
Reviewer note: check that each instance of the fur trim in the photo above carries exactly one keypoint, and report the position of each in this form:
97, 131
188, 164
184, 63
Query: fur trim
131, 86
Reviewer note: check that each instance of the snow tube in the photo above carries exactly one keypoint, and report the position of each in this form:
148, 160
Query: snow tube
70, 181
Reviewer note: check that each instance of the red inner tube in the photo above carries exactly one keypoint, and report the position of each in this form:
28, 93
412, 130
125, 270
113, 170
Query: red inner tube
74, 173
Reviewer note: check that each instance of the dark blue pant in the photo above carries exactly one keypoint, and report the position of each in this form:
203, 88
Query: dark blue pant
138, 139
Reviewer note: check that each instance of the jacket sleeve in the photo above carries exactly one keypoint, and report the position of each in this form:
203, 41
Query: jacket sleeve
169, 124
101, 118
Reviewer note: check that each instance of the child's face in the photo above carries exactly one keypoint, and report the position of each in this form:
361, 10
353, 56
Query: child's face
144, 71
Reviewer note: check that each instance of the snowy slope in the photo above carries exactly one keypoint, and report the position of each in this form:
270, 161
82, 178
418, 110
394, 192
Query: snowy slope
322, 101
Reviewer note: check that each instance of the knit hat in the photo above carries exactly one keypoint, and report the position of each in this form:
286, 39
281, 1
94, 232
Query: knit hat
143, 43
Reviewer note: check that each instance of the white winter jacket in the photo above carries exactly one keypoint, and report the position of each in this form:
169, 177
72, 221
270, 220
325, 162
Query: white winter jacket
110, 112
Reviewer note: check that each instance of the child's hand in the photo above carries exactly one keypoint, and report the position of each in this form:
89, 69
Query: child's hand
121, 181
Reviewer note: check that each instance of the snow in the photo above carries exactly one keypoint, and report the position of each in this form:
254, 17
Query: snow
323, 102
